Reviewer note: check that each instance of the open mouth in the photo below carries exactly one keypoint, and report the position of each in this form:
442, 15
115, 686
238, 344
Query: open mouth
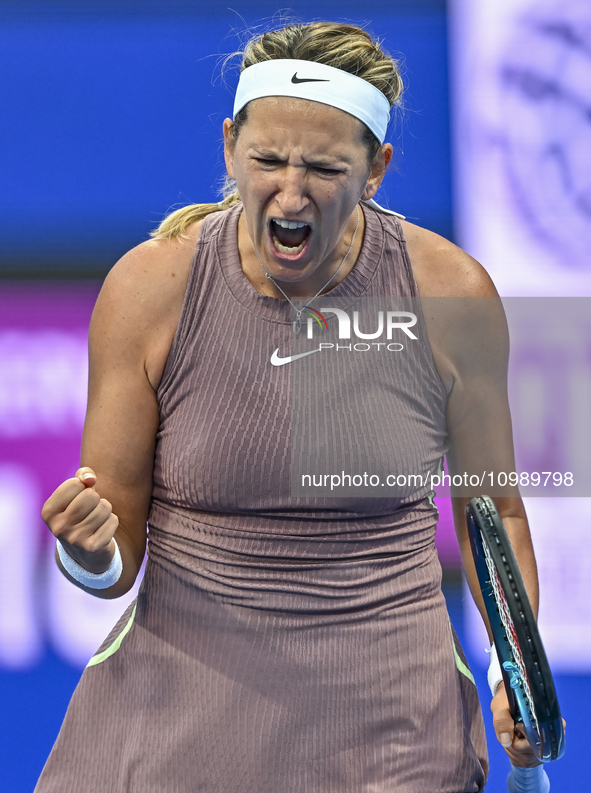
289, 237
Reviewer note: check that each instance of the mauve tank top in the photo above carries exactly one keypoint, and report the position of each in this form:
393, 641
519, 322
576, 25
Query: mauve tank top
225, 438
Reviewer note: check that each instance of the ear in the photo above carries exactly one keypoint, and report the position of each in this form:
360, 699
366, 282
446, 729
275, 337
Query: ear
378, 171
229, 146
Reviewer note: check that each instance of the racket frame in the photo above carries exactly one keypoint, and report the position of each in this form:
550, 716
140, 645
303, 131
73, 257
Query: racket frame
542, 722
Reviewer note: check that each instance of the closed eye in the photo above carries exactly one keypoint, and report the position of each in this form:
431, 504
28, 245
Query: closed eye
328, 171
267, 161
270, 162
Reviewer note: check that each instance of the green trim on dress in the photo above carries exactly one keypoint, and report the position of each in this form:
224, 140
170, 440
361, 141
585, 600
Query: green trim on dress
112, 648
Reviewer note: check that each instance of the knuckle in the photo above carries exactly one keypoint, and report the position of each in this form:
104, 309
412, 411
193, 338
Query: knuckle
91, 544
59, 526
103, 515
71, 486
85, 503
91, 496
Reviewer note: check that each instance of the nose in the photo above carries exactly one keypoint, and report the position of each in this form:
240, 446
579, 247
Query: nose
293, 190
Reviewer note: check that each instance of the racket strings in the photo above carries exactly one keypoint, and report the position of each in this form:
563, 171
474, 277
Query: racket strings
509, 627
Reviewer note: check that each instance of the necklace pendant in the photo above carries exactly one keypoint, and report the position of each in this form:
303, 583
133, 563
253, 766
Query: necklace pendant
297, 325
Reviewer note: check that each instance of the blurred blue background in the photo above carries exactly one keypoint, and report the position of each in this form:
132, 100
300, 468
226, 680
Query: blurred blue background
111, 115
113, 112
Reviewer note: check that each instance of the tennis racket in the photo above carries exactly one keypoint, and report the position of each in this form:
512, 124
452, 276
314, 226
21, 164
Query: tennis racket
524, 666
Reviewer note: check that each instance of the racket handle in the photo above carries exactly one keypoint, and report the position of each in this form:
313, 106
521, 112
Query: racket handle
528, 780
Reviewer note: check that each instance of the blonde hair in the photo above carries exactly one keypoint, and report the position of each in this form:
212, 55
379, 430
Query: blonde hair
342, 46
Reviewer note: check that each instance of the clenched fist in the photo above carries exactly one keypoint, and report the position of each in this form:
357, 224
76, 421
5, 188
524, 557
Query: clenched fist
82, 521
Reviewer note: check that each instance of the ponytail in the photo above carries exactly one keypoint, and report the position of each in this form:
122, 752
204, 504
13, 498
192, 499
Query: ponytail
175, 224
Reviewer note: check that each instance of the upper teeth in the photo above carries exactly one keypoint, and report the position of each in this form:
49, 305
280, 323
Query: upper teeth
289, 224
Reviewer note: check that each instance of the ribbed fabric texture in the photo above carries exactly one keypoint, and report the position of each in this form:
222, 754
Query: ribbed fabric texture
280, 644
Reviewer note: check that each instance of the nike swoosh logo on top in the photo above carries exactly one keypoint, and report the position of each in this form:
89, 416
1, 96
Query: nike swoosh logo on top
277, 361
296, 79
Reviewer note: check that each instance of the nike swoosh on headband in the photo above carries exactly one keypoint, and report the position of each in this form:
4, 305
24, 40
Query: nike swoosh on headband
320, 83
295, 79
277, 361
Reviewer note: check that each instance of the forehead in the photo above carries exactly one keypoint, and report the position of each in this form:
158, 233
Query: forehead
284, 121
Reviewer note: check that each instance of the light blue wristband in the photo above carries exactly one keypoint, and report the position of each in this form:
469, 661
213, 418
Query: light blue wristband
528, 780
92, 580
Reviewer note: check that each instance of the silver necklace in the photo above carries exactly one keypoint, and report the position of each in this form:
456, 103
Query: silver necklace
297, 323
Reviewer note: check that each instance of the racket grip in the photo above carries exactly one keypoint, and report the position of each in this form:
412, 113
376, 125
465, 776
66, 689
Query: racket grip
528, 780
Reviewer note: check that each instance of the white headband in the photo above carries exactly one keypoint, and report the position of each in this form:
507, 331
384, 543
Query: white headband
319, 83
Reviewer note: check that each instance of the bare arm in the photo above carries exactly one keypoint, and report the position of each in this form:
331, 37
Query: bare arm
130, 335
479, 410
480, 432
469, 339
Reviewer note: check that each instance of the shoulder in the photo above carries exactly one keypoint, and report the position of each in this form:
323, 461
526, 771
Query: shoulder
151, 270
441, 269
463, 313
142, 297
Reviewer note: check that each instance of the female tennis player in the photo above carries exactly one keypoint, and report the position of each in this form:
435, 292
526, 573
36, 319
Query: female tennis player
280, 643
